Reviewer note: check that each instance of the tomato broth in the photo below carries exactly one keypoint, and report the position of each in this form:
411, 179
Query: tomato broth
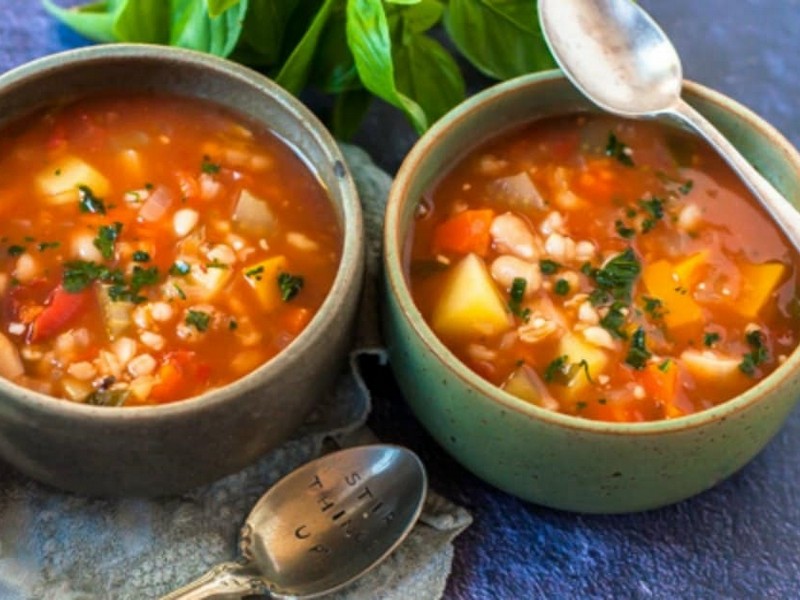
611, 269
153, 248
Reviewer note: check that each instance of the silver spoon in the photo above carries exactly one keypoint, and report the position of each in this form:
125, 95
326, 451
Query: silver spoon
620, 59
322, 526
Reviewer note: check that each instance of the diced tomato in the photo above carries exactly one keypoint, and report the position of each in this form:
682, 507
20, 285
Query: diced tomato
661, 384
59, 311
179, 374
294, 319
466, 232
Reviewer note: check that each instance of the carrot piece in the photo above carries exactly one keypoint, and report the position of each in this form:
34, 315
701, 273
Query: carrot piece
60, 309
466, 232
177, 375
294, 319
661, 384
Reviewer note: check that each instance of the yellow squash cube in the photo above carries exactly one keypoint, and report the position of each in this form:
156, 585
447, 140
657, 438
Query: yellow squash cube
61, 179
263, 278
672, 285
758, 283
577, 351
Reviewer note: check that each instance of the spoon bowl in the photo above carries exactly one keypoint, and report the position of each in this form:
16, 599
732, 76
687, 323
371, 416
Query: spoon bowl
322, 526
621, 60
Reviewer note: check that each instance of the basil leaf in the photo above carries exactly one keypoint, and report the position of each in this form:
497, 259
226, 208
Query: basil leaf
501, 38
428, 73
334, 68
348, 112
294, 73
217, 7
94, 20
371, 45
145, 21
264, 31
192, 26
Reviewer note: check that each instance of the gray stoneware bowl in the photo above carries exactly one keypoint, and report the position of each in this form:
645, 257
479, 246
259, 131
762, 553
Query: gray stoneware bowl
549, 458
171, 448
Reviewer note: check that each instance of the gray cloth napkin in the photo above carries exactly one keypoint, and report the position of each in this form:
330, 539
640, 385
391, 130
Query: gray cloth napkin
59, 545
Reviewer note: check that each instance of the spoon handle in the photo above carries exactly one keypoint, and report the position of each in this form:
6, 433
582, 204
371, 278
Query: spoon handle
784, 214
226, 581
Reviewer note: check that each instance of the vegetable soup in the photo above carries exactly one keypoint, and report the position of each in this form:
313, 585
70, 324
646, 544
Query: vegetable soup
153, 248
611, 269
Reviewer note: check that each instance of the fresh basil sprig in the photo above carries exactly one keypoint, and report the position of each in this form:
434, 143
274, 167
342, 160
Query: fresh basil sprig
354, 50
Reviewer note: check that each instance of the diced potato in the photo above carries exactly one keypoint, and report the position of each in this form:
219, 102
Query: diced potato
672, 285
59, 181
577, 351
469, 304
525, 384
10, 362
758, 283
252, 215
201, 284
263, 278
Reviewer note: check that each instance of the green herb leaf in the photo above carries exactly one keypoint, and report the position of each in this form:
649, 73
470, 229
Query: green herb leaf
208, 167
140, 256
42, 246
549, 267
557, 369
290, 285
502, 39
89, 203
107, 236
516, 296
16, 250
561, 287
180, 268
198, 319
638, 354
370, 42
757, 356
617, 277
114, 397
710, 338
615, 321
624, 231
192, 26
686, 187
619, 150
295, 71
653, 307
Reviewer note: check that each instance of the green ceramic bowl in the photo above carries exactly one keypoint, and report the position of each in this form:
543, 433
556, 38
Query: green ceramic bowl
549, 458
154, 450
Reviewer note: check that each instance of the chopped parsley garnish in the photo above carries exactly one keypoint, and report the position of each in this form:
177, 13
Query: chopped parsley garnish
80, 274
516, 296
107, 236
198, 319
557, 368
616, 148
665, 365
216, 264
758, 354
232, 325
585, 366
16, 250
614, 321
181, 293
654, 207
290, 285
548, 267
179, 268
623, 230
686, 187
141, 256
653, 307
580, 405
710, 338
42, 246
140, 277
561, 287
616, 279
89, 203
638, 354
255, 273
209, 167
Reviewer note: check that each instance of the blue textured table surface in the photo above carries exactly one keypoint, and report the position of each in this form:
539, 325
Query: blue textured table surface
739, 540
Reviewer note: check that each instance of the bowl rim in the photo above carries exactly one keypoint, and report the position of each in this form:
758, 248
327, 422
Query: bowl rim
351, 263
396, 281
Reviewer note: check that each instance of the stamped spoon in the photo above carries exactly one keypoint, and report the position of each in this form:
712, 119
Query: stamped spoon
620, 59
322, 526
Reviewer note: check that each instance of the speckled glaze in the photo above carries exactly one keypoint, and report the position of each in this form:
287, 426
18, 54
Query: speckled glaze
172, 448
553, 459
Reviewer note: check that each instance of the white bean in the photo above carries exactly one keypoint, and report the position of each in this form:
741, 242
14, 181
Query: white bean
505, 269
690, 217
552, 223
144, 364
588, 314
161, 311
598, 336
124, 348
222, 253
184, 220
512, 235
152, 340
584, 250
27, 268
82, 370
83, 248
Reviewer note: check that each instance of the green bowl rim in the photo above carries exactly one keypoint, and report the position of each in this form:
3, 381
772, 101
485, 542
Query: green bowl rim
395, 277
351, 263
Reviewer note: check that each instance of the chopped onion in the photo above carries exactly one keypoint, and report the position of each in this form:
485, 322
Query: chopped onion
517, 192
156, 205
10, 362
